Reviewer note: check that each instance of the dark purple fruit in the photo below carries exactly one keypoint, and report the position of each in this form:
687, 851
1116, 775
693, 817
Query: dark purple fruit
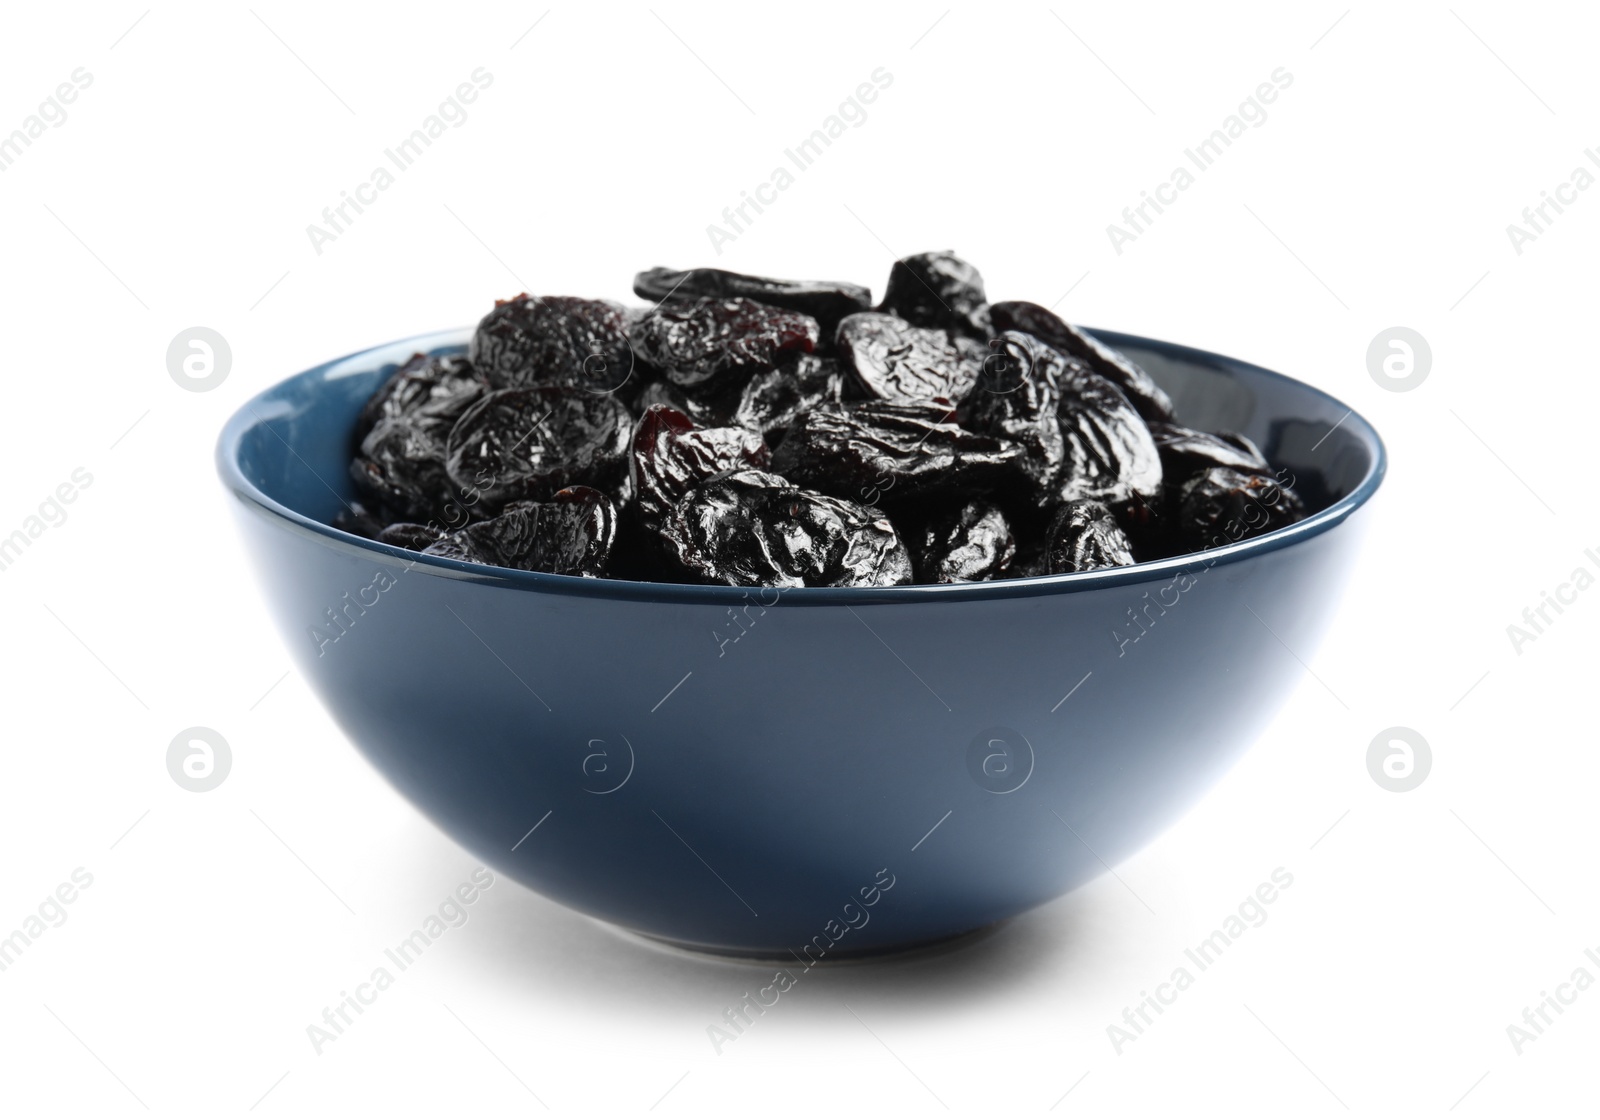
1223, 505
425, 388
881, 452
518, 444
1185, 451
1110, 457
1085, 536
670, 455
408, 534
938, 290
895, 361
1016, 398
553, 340
826, 301
771, 401
569, 535
401, 470
754, 529
962, 544
1048, 327
709, 342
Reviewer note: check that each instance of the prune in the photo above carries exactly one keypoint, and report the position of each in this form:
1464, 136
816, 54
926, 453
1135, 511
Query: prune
885, 452
570, 535
1185, 451
714, 411
752, 528
408, 534
1048, 327
528, 443
401, 468
1016, 398
425, 388
826, 301
1084, 536
670, 455
553, 340
938, 290
973, 542
705, 342
771, 401
1110, 455
1222, 505
895, 361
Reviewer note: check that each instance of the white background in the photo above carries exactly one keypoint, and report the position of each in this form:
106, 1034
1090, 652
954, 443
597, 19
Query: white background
1378, 191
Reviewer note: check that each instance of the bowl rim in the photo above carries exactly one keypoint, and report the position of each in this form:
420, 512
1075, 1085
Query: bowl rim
249, 415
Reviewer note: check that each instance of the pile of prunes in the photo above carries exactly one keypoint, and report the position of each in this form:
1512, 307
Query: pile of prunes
775, 433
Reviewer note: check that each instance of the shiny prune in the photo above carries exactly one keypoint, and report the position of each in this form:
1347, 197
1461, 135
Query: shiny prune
1016, 398
528, 443
1085, 536
826, 301
553, 340
670, 455
409, 534
964, 544
709, 342
707, 410
895, 361
1185, 451
938, 290
1222, 505
569, 535
771, 401
424, 388
753, 528
885, 452
1110, 457
401, 469
1048, 327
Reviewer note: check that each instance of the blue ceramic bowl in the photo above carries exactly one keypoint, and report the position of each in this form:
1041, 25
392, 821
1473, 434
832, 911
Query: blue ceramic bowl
818, 773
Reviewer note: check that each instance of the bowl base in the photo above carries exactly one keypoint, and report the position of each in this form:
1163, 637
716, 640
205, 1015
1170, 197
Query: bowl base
937, 946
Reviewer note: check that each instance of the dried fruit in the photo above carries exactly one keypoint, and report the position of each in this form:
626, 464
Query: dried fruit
1016, 398
553, 340
1048, 327
408, 534
670, 456
771, 401
1110, 457
971, 542
884, 452
706, 342
825, 301
425, 388
1222, 505
895, 361
753, 528
569, 535
938, 290
1084, 536
1185, 451
528, 443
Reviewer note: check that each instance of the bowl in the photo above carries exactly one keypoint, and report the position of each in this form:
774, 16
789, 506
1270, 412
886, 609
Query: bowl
814, 773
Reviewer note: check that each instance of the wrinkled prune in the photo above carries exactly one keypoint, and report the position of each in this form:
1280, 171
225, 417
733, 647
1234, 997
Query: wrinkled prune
706, 342
528, 443
1084, 536
1048, 327
408, 534
570, 535
1185, 451
401, 468
938, 290
1110, 455
708, 411
771, 401
1016, 398
425, 388
826, 301
895, 361
1222, 505
553, 340
753, 528
886, 452
670, 455
973, 542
